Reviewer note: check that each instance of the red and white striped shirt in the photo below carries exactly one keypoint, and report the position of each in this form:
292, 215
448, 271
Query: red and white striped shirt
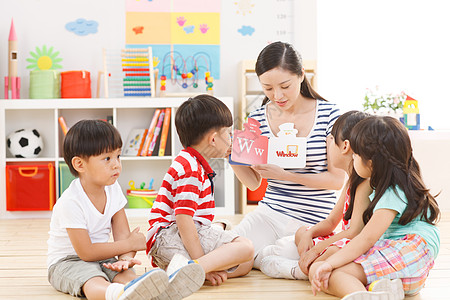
186, 189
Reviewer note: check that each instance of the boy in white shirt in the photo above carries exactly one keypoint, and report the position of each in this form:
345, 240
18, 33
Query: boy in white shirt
81, 260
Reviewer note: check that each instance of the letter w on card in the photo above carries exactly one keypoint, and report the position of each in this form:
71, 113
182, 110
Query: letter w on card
249, 147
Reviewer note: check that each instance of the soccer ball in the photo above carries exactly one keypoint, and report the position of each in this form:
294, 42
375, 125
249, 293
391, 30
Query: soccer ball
25, 143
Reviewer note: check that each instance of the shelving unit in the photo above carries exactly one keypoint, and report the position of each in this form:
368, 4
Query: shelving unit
251, 97
127, 114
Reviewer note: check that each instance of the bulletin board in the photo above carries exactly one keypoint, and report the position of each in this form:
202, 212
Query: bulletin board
187, 28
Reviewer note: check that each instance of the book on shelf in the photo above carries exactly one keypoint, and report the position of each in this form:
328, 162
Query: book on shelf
164, 132
142, 142
156, 133
134, 142
62, 123
151, 130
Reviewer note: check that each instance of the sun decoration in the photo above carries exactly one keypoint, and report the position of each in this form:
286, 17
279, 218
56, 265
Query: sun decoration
244, 6
44, 59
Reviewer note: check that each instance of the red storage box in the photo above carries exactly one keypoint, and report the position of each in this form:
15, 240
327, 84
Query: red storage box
75, 84
30, 187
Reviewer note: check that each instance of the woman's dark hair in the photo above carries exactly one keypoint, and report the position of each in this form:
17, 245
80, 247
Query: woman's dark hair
284, 56
90, 138
196, 116
385, 142
341, 132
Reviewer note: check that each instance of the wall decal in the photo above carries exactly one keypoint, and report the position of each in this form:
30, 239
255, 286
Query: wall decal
82, 27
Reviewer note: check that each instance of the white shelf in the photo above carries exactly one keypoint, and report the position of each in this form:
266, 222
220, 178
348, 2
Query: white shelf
31, 160
144, 158
127, 113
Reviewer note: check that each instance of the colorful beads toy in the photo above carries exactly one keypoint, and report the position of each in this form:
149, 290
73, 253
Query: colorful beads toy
178, 70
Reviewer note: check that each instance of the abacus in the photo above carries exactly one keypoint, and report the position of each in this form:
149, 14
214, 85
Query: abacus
128, 73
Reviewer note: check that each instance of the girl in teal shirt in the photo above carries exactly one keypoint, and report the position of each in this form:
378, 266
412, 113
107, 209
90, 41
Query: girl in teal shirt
395, 251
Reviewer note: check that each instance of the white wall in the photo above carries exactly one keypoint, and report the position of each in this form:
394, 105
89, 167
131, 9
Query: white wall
305, 27
41, 22
400, 45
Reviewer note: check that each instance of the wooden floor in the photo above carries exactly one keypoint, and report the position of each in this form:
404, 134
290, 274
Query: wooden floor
23, 273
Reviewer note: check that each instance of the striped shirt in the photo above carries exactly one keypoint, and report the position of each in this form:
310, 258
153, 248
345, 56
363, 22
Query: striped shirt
186, 189
309, 205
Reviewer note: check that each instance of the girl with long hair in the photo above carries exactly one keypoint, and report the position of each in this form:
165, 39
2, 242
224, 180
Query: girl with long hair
397, 247
291, 256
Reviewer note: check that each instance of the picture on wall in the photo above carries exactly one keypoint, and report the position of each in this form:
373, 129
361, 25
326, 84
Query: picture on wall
183, 29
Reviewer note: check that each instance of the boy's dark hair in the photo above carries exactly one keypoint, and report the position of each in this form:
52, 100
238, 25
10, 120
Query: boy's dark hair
196, 116
283, 55
90, 138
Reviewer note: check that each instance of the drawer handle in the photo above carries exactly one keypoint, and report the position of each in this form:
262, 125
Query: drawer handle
51, 187
25, 171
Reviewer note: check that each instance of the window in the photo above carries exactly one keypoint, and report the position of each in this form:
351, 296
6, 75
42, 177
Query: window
400, 45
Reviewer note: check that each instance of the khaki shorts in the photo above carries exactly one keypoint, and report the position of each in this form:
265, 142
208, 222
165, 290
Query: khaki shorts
69, 274
168, 242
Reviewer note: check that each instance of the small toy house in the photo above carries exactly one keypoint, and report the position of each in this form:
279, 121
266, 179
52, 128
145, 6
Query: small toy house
411, 113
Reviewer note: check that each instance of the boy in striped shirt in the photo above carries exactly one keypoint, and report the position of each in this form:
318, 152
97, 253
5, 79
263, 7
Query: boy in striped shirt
182, 214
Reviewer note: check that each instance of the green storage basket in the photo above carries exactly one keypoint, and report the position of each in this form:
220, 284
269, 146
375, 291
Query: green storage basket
65, 177
140, 201
45, 84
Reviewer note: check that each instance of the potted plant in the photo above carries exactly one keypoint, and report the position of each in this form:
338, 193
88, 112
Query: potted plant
379, 103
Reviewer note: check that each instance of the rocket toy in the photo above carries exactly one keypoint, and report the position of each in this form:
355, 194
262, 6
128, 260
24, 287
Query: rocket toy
12, 81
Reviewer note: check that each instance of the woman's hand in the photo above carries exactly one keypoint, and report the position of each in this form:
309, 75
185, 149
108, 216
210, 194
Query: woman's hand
271, 171
321, 276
